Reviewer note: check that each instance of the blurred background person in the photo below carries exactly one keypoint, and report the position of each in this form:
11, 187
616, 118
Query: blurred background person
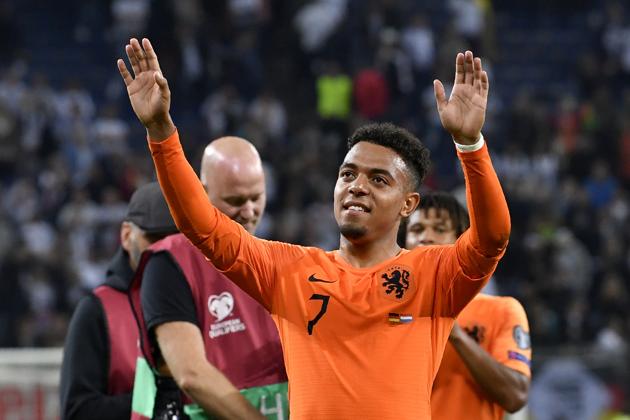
100, 350
486, 366
205, 335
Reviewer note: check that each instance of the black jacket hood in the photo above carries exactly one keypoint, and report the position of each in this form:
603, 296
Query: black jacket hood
119, 272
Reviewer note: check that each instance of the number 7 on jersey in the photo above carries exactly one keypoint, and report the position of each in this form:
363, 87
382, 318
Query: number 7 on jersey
320, 314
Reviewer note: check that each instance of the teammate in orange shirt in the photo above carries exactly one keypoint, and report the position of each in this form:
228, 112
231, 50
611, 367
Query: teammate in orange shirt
486, 365
364, 327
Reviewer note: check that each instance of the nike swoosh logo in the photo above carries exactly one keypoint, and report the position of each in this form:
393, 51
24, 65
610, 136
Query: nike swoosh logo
314, 279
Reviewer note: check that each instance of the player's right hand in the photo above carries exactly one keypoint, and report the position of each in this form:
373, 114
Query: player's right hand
148, 89
464, 113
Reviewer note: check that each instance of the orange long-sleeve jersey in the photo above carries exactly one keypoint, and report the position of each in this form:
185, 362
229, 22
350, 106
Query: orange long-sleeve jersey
358, 342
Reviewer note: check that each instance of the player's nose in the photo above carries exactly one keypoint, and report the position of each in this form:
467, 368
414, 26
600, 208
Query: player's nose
358, 187
248, 211
427, 238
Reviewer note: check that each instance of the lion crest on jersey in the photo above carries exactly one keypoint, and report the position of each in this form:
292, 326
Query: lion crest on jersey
396, 282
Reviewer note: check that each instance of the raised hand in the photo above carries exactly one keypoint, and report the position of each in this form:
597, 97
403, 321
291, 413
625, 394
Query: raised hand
464, 113
148, 90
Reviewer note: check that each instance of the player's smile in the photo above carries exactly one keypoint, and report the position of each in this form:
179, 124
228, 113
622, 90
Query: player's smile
356, 208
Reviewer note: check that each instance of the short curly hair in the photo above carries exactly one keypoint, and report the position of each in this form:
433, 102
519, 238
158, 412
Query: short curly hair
415, 154
440, 200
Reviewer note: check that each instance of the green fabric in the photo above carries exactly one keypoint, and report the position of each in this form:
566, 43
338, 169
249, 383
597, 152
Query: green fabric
144, 389
334, 96
271, 400
195, 412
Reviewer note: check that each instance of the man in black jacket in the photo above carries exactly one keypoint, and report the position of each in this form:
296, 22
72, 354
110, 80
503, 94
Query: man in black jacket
101, 345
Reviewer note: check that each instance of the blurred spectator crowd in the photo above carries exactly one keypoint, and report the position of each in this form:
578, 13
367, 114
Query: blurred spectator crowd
295, 78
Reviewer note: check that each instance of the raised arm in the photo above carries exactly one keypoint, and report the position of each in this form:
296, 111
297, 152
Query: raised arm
463, 114
150, 99
250, 261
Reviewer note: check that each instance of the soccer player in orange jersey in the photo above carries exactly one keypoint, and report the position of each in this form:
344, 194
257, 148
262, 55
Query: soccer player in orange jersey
364, 327
486, 366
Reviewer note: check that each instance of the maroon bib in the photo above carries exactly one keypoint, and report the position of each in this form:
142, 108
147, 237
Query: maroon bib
240, 338
123, 337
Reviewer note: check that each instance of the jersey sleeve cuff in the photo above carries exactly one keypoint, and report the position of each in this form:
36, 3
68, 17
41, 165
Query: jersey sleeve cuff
169, 142
467, 148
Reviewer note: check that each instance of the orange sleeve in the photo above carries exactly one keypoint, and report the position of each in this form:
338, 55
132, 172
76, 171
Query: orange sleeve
248, 261
478, 250
481, 246
511, 345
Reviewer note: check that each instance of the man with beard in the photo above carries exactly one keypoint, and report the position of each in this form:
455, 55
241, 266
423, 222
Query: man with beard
100, 351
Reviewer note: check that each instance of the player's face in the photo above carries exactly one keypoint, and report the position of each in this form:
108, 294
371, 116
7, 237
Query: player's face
371, 193
240, 196
430, 227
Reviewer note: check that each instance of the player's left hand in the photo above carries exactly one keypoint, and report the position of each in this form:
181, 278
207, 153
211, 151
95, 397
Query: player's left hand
464, 113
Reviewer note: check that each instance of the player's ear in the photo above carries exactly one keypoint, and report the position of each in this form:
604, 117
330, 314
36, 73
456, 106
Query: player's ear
125, 235
412, 199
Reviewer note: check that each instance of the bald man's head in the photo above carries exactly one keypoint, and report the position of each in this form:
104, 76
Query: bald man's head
232, 173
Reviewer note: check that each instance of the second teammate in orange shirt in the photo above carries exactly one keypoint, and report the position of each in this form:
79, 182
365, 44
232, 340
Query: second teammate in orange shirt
363, 328
486, 366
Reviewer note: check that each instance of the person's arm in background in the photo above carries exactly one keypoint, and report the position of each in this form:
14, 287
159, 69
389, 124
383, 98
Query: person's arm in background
84, 370
251, 262
478, 250
500, 383
182, 348
170, 314
511, 347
